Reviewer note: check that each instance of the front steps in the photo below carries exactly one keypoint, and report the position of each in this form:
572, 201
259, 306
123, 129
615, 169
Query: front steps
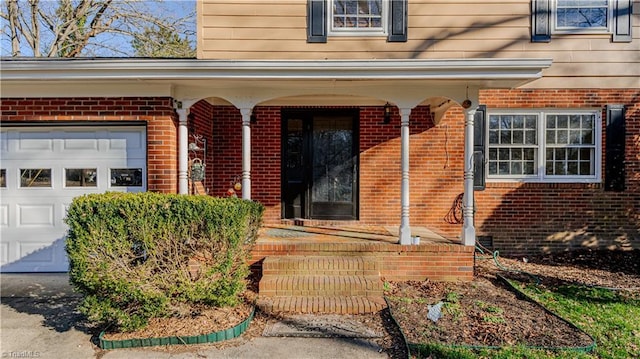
321, 284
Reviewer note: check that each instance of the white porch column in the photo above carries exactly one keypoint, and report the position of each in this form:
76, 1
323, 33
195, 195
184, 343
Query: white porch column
183, 151
405, 228
246, 152
468, 228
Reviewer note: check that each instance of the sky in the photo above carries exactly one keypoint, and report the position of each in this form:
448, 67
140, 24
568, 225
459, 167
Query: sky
110, 45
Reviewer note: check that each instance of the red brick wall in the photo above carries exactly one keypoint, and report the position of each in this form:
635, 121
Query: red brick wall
534, 217
157, 113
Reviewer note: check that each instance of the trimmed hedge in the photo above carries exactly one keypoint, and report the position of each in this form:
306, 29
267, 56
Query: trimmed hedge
135, 256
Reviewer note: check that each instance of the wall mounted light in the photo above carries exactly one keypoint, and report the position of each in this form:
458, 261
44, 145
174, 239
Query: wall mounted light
386, 114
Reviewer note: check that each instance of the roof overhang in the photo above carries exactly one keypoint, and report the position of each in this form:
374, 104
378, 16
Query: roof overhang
261, 80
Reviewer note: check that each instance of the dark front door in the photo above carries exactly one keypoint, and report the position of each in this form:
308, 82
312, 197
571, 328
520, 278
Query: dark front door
320, 164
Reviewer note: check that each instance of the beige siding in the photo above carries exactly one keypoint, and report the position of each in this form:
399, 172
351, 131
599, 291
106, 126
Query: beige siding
260, 29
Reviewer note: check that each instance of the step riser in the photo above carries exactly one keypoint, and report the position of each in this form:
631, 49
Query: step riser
328, 264
320, 285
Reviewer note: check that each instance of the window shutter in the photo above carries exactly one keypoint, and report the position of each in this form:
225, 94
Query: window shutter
479, 136
622, 21
614, 176
397, 21
317, 21
540, 21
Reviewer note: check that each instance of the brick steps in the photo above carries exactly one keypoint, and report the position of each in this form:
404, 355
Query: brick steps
322, 305
321, 284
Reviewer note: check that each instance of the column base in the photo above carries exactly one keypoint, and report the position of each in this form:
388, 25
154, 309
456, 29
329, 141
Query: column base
405, 235
469, 235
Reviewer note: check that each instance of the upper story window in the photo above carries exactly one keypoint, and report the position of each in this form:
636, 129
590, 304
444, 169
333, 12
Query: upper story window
358, 17
544, 146
582, 16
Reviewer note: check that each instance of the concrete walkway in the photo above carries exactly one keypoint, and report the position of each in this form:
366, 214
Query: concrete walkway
38, 319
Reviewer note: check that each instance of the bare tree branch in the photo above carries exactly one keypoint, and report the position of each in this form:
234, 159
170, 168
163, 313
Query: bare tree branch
68, 28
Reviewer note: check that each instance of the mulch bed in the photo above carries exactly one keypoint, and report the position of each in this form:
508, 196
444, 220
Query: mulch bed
485, 312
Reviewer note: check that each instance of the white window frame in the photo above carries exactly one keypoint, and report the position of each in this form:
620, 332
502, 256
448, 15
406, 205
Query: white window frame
581, 30
339, 31
540, 156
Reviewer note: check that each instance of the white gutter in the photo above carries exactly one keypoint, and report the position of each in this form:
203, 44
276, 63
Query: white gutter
185, 69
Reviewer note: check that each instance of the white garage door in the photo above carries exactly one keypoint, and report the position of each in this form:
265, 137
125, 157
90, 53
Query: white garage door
42, 169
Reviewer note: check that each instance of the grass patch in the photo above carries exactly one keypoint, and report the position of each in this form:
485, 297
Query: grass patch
612, 318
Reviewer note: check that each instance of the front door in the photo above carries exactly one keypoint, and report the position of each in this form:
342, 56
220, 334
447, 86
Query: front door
320, 164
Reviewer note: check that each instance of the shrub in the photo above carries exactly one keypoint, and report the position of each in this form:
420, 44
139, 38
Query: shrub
135, 256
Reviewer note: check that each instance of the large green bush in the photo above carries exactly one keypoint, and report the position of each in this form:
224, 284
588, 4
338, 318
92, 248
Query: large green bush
143, 255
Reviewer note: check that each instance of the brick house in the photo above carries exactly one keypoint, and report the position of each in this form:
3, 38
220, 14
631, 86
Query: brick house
513, 123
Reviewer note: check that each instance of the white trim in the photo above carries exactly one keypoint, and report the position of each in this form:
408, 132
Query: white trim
541, 176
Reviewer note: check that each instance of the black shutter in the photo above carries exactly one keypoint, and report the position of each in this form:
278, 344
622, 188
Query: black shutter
540, 21
614, 173
479, 121
397, 21
622, 21
316, 20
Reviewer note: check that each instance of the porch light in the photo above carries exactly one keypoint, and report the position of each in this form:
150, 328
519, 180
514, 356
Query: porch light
387, 114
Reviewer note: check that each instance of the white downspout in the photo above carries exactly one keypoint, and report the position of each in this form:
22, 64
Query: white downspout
405, 228
246, 152
468, 228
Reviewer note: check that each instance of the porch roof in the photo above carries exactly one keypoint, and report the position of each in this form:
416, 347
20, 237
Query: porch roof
260, 81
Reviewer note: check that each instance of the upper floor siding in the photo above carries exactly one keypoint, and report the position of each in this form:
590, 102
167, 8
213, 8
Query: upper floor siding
437, 29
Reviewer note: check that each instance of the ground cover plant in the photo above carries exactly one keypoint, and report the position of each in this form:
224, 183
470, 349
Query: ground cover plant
140, 256
583, 287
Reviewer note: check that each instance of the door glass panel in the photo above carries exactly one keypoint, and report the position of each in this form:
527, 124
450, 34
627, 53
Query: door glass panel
35, 177
80, 177
295, 146
332, 159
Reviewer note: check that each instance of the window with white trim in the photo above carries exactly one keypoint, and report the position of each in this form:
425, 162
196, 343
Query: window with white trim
544, 146
579, 16
358, 17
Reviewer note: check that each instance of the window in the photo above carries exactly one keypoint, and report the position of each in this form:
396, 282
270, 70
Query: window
349, 17
35, 177
547, 146
582, 16
81, 177
126, 177
3, 178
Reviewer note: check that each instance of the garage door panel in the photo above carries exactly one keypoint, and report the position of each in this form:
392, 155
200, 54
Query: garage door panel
86, 144
4, 253
34, 141
120, 140
31, 215
4, 215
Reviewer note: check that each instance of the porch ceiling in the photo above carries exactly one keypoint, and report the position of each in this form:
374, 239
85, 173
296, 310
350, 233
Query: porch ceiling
247, 83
